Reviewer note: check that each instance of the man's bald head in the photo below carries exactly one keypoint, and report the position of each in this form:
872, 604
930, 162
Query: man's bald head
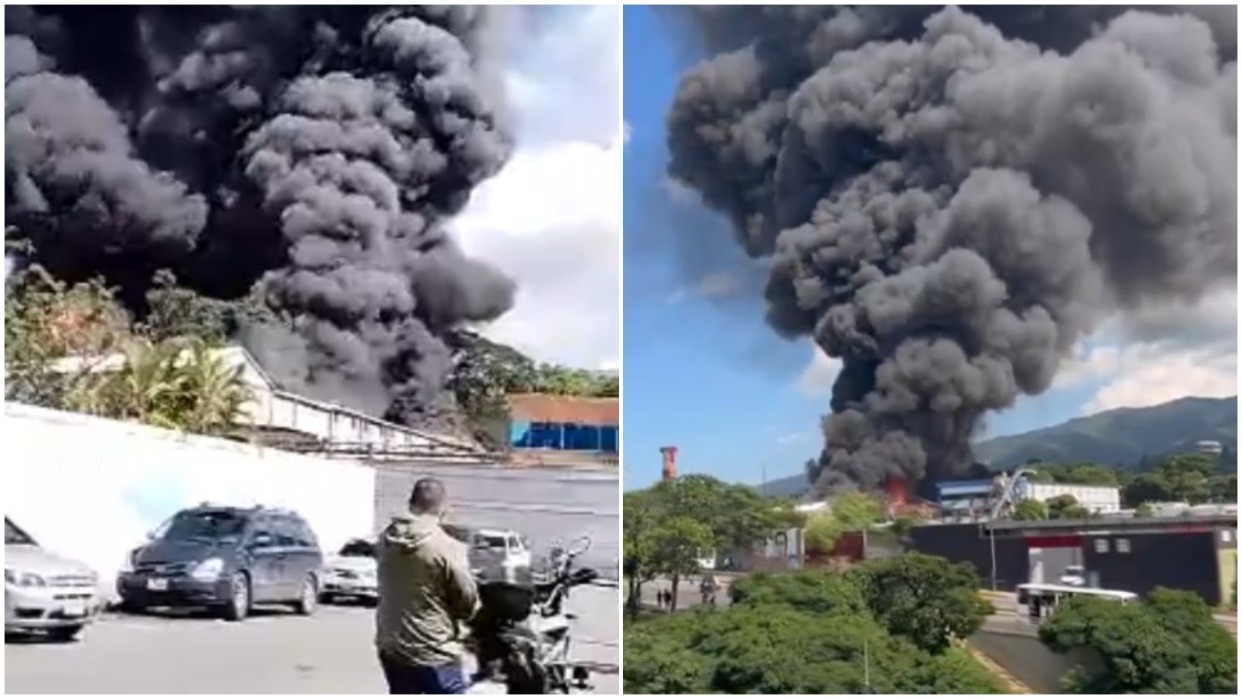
428, 497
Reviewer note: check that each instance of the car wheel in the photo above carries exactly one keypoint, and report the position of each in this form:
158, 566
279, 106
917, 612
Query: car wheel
64, 633
310, 594
238, 605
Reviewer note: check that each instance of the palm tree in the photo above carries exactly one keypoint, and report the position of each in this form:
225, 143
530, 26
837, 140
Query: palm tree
216, 391
174, 384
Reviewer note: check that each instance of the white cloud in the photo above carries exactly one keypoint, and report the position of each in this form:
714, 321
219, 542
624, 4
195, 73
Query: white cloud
1160, 354
793, 438
552, 218
710, 285
820, 373
1153, 373
680, 192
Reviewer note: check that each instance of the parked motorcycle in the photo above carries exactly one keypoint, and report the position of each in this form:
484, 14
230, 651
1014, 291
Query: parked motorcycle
521, 636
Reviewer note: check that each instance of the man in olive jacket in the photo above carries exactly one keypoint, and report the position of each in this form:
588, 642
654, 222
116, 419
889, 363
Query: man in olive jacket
425, 593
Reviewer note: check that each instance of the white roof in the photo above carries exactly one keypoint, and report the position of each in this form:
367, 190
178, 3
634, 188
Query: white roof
236, 355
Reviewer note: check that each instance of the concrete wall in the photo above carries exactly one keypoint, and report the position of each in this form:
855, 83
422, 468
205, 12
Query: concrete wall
90, 489
1022, 654
546, 505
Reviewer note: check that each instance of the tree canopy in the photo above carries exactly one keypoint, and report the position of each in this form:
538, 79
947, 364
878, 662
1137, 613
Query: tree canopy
47, 319
670, 526
1168, 644
807, 632
851, 511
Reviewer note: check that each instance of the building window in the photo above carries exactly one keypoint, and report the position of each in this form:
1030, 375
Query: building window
1101, 545
1123, 546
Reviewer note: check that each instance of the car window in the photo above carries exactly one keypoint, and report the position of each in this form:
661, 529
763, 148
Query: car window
204, 525
515, 546
306, 536
263, 527
490, 542
358, 549
15, 536
286, 531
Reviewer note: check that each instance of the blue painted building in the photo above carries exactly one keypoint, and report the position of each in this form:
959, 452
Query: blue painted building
564, 423
968, 498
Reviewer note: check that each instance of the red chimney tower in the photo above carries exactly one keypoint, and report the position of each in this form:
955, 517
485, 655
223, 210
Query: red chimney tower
669, 468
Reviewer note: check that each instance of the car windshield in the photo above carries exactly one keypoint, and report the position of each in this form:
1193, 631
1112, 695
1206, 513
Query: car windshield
485, 541
205, 526
1073, 570
16, 537
358, 549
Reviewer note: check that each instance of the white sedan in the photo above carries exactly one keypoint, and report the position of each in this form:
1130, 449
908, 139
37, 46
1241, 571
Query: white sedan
351, 573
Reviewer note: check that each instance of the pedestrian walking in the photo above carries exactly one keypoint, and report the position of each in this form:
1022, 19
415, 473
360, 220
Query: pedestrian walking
426, 593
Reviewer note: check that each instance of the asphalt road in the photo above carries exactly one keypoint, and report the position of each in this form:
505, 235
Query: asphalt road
687, 592
271, 653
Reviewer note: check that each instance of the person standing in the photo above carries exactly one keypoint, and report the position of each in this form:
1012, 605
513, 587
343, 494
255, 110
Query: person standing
426, 592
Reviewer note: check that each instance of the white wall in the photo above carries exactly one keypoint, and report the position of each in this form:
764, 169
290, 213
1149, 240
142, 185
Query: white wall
1102, 499
89, 489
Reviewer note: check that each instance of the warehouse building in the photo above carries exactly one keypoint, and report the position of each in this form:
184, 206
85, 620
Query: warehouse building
1198, 554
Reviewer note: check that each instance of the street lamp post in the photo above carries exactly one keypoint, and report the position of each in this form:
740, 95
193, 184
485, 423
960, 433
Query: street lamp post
992, 541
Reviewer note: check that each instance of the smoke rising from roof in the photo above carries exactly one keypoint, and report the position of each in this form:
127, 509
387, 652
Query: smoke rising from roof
313, 151
949, 200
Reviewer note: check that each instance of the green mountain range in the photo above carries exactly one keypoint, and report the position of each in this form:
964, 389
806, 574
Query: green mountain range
1125, 438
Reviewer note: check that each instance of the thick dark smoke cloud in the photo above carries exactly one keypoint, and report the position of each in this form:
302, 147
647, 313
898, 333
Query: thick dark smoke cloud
950, 199
313, 151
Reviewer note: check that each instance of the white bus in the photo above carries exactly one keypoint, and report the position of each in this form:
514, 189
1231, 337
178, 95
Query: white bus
1037, 601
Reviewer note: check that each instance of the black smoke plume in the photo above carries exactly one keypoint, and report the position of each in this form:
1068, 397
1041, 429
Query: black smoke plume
950, 199
311, 153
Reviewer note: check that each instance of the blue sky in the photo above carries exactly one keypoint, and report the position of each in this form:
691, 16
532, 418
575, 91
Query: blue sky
704, 373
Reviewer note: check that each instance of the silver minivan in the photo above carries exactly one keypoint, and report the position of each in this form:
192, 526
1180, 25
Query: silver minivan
44, 592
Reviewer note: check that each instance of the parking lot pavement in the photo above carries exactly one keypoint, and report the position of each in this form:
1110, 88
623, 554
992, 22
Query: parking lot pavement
273, 652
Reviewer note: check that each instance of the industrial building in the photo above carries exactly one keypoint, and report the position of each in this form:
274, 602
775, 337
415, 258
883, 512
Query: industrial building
539, 422
978, 499
1136, 555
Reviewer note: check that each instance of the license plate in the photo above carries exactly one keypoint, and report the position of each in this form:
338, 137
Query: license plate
75, 609
157, 584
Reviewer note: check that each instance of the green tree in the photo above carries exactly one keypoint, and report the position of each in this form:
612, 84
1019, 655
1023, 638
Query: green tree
47, 321
924, 598
678, 544
178, 312
808, 632
641, 518
1144, 510
848, 512
1066, 507
1030, 510
485, 375
182, 386
1167, 645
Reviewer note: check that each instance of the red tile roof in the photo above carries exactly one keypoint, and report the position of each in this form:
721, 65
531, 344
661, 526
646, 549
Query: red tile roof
537, 407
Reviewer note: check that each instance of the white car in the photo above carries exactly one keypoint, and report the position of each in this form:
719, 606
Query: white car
1074, 576
495, 554
44, 592
351, 573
